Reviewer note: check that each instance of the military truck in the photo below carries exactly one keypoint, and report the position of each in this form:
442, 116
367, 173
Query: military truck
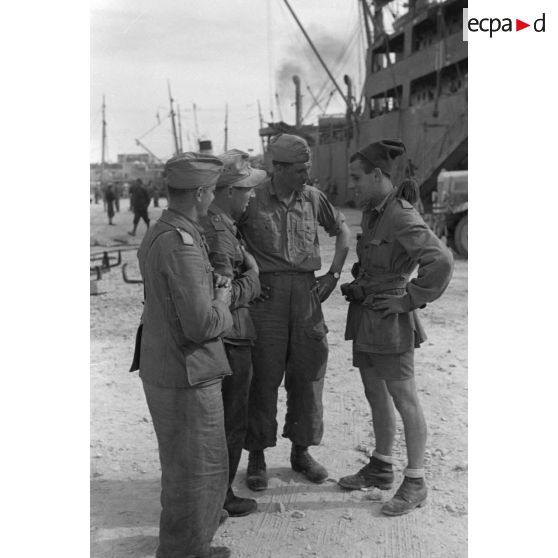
450, 209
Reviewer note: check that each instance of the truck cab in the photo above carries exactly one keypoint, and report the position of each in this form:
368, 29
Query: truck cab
450, 207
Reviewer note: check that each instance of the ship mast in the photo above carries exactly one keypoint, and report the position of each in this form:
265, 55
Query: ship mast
103, 143
261, 124
196, 124
179, 128
226, 127
176, 148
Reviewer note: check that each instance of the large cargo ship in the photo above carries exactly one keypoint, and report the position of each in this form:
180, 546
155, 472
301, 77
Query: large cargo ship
415, 89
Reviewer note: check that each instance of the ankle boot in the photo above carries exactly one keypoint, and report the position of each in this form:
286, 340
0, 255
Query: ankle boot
303, 462
376, 473
256, 477
239, 507
410, 495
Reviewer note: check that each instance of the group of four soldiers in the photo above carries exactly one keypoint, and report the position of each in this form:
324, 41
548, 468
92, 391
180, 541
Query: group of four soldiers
232, 307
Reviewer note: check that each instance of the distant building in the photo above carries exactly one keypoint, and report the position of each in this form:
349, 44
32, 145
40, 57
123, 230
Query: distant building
130, 167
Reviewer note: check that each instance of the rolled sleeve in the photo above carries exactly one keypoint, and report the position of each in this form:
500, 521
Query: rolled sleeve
328, 217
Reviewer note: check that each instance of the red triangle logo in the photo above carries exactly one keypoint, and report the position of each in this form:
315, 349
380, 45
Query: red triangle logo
519, 25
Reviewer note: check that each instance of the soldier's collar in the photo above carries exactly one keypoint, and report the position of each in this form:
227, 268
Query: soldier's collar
217, 212
382, 205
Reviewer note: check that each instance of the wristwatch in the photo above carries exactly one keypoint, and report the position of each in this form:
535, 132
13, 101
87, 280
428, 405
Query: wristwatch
335, 274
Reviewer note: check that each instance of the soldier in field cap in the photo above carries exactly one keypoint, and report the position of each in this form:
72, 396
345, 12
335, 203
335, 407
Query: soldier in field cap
230, 258
382, 320
182, 360
280, 227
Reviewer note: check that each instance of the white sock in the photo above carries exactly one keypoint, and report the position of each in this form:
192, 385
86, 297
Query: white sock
414, 473
384, 458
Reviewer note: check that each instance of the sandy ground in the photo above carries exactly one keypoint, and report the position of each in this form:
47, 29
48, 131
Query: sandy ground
294, 518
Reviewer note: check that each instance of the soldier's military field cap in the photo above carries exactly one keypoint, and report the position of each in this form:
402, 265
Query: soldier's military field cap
381, 154
189, 171
237, 171
287, 148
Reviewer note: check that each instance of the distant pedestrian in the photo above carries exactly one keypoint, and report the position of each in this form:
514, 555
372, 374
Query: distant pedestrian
139, 200
154, 189
110, 198
117, 196
97, 194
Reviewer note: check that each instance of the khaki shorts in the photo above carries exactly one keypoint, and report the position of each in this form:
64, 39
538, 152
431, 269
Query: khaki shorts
387, 366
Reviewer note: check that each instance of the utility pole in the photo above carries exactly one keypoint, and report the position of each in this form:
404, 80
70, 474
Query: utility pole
226, 127
179, 129
317, 53
176, 147
261, 124
103, 143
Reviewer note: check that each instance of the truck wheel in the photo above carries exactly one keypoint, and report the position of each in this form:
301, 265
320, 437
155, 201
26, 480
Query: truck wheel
461, 237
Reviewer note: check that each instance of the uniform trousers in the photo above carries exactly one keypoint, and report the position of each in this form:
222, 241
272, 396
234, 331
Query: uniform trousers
291, 343
236, 388
190, 432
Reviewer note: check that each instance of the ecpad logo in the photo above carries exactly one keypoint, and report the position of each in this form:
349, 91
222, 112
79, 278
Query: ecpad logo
493, 25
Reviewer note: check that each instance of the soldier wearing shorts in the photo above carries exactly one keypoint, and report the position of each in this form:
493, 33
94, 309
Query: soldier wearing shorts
382, 321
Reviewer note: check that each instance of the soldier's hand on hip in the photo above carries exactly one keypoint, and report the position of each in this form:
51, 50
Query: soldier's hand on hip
223, 294
390, 304
325, 285
265, 293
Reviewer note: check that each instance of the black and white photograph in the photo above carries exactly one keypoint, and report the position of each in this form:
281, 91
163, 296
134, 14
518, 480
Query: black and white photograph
278, 279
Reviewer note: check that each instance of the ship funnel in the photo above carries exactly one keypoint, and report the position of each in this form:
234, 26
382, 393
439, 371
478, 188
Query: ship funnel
298, 102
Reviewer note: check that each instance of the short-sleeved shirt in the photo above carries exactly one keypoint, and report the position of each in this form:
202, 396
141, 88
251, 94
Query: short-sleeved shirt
285, 237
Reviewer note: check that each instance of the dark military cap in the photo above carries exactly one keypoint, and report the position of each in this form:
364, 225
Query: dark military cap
381, 154
288, 148
188, 171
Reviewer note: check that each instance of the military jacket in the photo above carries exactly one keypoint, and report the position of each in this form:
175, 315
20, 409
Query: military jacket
394, 241
225, 254
182, 324
285, 238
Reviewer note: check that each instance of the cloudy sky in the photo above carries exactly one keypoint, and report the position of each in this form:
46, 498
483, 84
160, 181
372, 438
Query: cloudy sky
213, 52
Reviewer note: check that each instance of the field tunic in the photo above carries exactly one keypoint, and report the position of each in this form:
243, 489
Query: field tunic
227, 259
182, 324
394, 240
285, 237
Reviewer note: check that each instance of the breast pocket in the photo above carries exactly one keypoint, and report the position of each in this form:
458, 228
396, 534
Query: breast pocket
379, 252
306, 233
266, 235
